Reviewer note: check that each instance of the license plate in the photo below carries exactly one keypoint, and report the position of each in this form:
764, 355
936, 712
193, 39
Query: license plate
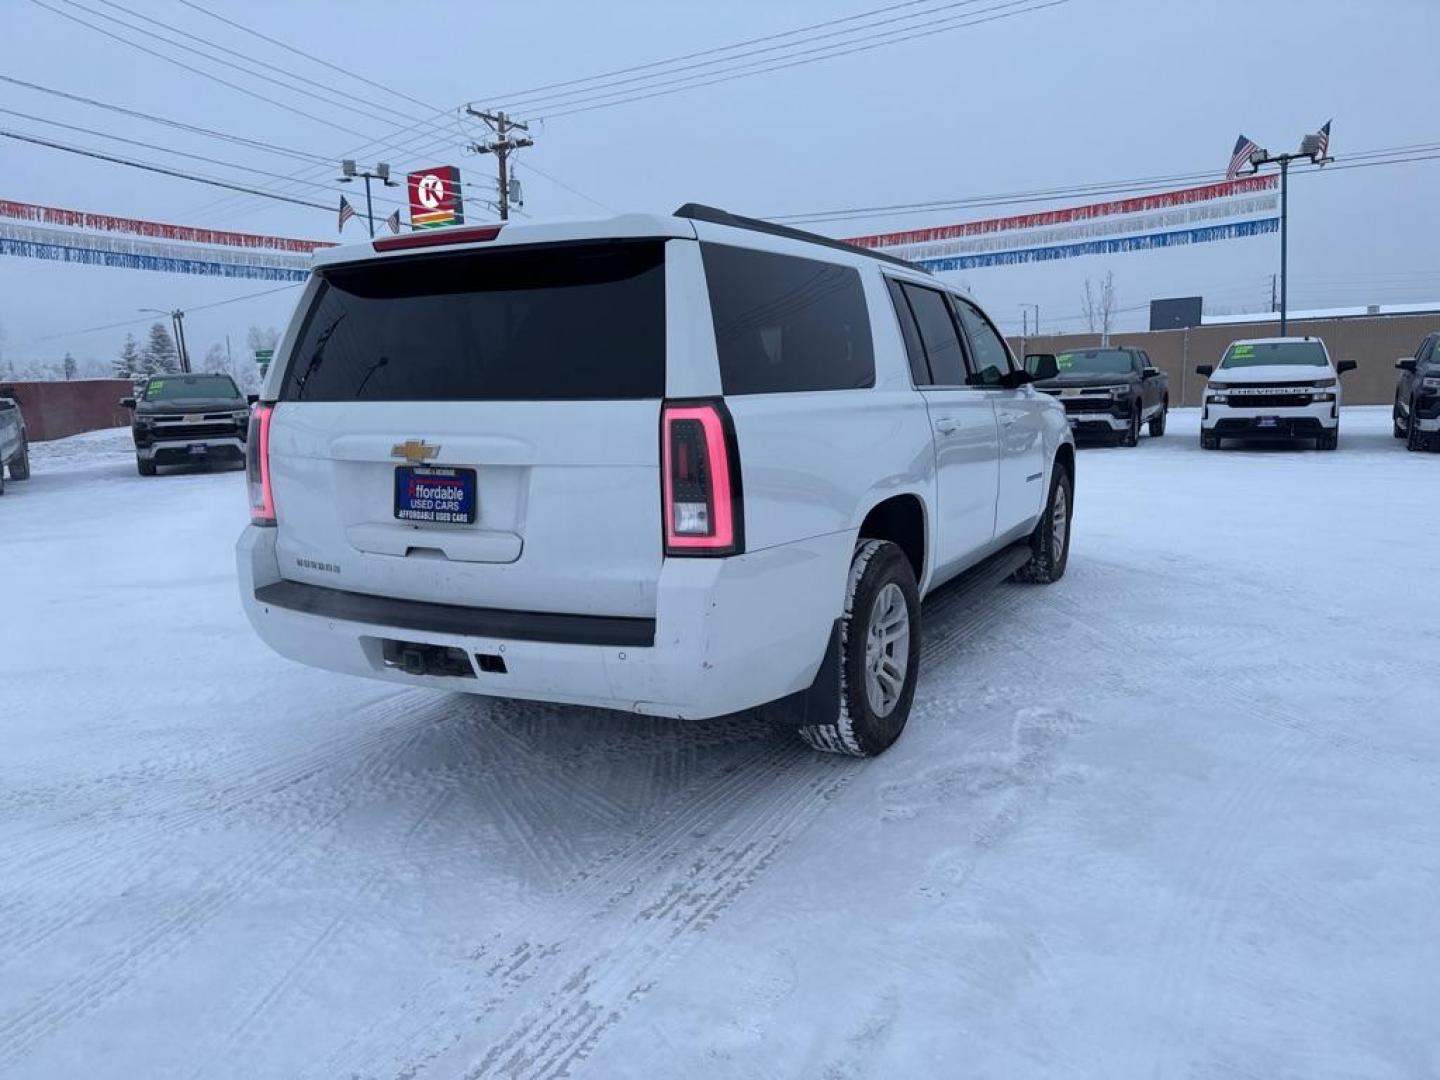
428, 493
198, 449
1267, 421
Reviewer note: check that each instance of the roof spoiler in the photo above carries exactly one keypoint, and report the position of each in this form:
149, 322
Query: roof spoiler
715, 216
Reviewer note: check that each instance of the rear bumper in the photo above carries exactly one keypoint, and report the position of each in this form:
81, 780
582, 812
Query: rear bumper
180, 452
728, 634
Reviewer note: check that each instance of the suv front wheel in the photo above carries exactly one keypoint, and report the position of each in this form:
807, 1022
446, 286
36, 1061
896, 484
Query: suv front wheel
879, 654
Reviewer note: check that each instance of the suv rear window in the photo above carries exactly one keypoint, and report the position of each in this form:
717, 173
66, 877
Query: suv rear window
784, 323
561, 322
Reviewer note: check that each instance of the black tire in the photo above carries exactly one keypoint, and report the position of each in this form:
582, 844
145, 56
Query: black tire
1157, 423
2, 480
1329, 441
1050, 542
20, 466
859, 730
144, 468
1209, 441
1414, 437
1132, 433
1400, 427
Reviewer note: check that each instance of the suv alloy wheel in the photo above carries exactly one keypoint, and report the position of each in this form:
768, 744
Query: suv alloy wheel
879, 654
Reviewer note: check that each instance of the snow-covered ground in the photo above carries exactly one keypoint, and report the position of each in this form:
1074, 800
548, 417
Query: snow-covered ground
1178, 816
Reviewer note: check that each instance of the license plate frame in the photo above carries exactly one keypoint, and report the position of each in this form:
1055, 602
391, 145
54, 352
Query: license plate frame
1267, 423
452, 498
197, 449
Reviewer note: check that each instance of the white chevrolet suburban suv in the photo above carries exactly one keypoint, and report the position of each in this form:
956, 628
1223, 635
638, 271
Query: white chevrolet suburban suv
683, 465
1273, 388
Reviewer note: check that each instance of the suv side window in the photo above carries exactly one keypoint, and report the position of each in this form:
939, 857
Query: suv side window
784, 323
940, 335
989, 355
914, 349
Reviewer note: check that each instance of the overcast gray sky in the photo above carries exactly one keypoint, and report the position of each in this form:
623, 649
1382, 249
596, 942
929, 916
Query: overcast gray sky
1088, 91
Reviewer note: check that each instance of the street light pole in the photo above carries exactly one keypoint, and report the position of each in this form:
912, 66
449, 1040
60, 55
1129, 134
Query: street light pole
1312, 149
381, 172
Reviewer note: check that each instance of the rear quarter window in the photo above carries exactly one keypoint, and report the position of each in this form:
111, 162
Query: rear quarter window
558, 322
784, 323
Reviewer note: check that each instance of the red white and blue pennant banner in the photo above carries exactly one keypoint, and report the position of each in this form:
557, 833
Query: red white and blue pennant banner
81, 219
59, 245
100, 240
1211, 212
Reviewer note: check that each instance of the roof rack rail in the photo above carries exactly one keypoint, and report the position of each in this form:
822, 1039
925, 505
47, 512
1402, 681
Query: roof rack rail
715, 216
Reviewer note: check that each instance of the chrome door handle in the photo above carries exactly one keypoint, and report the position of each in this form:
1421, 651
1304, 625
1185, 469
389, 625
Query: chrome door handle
946, 425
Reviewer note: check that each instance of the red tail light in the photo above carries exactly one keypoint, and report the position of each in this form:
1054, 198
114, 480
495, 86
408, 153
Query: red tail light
700, 470
257, 467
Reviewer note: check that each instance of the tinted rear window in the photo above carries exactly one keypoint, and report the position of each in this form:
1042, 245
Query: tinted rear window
559, 322
784, 323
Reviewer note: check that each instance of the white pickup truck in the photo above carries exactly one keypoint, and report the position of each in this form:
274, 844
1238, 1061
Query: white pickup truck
682, 464
14, 447
1274, 389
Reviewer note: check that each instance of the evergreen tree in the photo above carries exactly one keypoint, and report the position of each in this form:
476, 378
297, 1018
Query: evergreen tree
129, 363
159, 356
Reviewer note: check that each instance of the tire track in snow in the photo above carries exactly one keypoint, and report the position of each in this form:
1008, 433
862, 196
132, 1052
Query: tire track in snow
170, 929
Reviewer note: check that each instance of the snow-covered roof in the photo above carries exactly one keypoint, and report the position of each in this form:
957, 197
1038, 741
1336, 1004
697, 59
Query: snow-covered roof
1431, 307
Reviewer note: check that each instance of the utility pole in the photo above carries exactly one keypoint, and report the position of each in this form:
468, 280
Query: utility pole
1037, 315
1274, 304
177, 327
381, 172
1314, 149
502, 146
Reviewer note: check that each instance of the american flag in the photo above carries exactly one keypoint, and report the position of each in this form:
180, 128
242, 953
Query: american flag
346, 212
1240, 157
1317, 146
394, 222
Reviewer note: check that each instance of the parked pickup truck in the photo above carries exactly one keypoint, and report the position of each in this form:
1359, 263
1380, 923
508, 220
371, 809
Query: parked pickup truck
677, 464
1109, 392
14, 448
1417, 396
1279, 389
188, 419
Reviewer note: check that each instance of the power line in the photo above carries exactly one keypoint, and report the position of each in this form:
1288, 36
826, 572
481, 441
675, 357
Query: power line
507, 98
256, 144
188, 310
346, 103
308, 56
1111, 187
150, 167
531, 100
194, 70
829, 55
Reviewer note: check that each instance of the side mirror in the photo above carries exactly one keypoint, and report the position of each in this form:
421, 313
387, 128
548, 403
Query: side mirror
1153, 373
1205, 369
1041, 366
1406, 363
1345, 365
252, 399
127, 403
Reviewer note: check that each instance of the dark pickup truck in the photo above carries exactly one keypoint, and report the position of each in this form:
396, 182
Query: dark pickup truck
14, 448
1109, 391
1417, 396
188, 419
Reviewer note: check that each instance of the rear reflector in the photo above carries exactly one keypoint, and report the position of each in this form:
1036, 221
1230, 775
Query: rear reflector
257, 467
437, 239
700, 476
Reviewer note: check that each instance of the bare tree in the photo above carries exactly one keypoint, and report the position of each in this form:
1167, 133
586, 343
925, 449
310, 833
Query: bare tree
1100, 306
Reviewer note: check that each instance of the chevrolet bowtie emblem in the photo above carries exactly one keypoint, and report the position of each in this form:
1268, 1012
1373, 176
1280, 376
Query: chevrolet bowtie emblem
416, 450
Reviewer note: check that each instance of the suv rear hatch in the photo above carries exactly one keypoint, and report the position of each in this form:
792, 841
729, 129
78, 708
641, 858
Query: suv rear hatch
478, 427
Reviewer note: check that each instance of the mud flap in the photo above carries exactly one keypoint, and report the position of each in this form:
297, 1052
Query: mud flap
819, 703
